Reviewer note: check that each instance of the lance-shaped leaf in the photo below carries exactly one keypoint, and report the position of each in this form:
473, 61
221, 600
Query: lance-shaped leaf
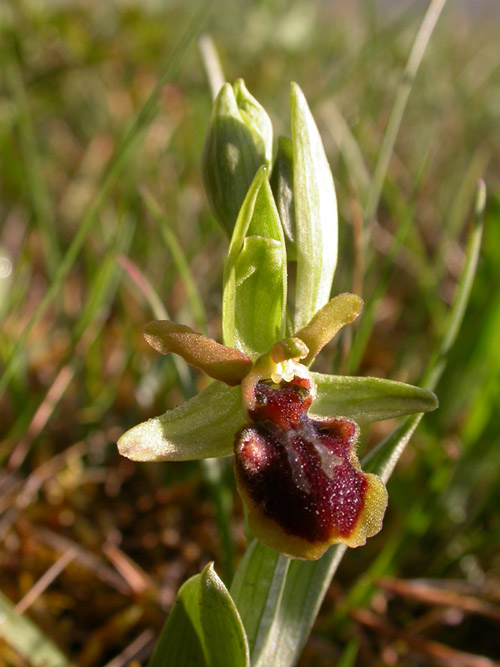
230, 159
339, 311
256, 119
218, 361
282, 186
368, 399
254, 295
203, 628
202, 427
315, 212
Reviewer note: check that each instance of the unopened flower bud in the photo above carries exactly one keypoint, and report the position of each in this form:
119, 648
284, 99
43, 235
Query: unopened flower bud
238, 143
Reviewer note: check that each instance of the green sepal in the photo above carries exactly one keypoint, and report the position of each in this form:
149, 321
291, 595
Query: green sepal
368, 399
255, 274
203, 628
200, 428
257, 121
327, 322
230, 159
218, 361
315, 205
282, 186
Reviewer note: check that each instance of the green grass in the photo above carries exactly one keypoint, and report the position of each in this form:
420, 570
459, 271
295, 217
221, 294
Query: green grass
103, 114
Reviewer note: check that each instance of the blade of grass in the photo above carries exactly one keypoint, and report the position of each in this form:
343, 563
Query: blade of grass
180, 260
410, 72
41, 204
100, 295
348, 146
159, 311
212, 64
124, 153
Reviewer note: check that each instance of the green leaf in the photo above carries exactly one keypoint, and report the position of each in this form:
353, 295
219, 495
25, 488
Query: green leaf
218, 361
315, 212
282, 186
256, 119
256, 590
27, 638
203, 427
253, 314
367, 399
230, 159
306, 584
203, 628
327, 322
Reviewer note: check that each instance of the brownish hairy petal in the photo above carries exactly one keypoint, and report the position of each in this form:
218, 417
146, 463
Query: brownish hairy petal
327, 322
218, 361
300, 477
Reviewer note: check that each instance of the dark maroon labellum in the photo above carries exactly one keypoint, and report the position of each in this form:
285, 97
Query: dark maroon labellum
301, 473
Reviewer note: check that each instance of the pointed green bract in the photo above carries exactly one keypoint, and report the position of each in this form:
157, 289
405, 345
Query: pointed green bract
315, 212
203, 628
201, 428
254, 297
257, 121
230, 159
368, 399
218, 361
339, 311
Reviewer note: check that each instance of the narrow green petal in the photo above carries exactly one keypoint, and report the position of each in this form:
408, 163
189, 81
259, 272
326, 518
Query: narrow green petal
339, 311
203, 427
367, 399
218, 361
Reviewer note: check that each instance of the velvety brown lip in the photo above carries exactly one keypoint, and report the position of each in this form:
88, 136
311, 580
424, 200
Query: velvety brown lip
298, 469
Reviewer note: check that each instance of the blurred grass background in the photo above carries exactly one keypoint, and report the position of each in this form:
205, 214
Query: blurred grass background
94, 547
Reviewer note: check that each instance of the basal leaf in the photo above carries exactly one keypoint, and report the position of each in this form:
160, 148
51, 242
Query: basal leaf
256, 589
203, 628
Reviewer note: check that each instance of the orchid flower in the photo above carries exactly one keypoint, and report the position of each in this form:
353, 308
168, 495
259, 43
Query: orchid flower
293, 432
